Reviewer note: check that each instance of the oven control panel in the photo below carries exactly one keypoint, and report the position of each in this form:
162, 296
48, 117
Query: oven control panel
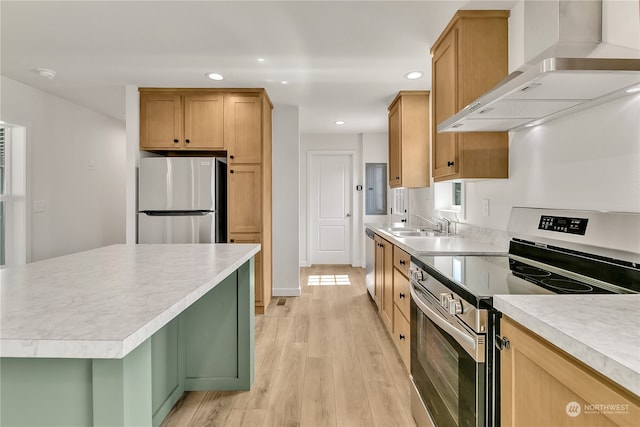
563, 224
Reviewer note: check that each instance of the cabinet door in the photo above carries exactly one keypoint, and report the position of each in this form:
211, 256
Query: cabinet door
244, 199
379, 271
401, 293
387, 286
243, 128
444, 92
252, 238
543, 386
395, 146
203, 121
160, 121
402, 337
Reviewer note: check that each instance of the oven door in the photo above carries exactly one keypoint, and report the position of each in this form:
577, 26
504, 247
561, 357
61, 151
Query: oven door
447, 366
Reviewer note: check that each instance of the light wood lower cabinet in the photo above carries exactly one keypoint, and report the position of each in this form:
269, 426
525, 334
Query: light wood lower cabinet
258, 263
392, 294
543, 386
384, 280
401, 305
401, 336
401, 295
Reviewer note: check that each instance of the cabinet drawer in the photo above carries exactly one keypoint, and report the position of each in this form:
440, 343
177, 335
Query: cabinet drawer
401, 260
401, 337
401, 296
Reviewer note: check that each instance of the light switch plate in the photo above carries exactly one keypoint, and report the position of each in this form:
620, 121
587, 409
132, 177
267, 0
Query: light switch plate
485, 207
39, 206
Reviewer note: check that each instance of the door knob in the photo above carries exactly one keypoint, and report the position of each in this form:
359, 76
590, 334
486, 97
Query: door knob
348, 215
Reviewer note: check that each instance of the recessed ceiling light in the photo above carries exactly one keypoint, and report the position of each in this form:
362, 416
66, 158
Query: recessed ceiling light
260, 59
413, 75
284, 82
215, 76
634, 89
46, 73
339, 122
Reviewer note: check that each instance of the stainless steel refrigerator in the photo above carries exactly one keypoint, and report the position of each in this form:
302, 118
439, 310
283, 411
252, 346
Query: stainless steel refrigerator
182, 200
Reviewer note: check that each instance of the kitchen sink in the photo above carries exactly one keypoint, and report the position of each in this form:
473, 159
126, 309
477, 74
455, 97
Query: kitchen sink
414, 232
425, 233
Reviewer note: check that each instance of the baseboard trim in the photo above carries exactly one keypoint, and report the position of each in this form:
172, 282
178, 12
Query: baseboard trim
286, 292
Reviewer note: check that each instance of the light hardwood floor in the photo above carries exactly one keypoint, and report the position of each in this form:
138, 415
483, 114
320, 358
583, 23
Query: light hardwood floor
323, 359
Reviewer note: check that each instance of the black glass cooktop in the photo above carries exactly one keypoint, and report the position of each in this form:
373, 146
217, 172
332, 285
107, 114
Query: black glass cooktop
479, 278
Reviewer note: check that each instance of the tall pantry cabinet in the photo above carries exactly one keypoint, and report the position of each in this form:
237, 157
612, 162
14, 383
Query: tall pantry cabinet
194, 122
247, 132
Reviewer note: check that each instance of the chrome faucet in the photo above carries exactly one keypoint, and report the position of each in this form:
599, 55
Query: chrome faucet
447, 227
435, 222
440, 224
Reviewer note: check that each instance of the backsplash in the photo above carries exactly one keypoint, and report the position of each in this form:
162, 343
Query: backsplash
419, 201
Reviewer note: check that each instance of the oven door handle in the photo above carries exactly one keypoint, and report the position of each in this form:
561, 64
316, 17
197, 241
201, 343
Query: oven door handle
466, 341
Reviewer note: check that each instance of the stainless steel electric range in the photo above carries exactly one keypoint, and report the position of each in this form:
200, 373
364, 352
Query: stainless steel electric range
453, 323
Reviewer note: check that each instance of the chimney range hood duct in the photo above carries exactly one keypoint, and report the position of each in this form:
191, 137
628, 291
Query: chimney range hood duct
550, 86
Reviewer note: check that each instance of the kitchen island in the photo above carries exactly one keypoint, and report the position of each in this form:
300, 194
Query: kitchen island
114, 336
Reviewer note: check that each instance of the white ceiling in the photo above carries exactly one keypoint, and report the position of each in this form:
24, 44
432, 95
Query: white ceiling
344, 60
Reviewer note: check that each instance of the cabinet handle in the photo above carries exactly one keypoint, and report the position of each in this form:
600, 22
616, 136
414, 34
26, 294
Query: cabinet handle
187, 141
450, 163
231, 171
176, 141
231, 157
401, 295
397, 177
401, 337
402, 262
403, 220
232, 240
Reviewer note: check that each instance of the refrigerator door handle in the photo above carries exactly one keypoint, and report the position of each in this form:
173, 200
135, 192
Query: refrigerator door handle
176, 213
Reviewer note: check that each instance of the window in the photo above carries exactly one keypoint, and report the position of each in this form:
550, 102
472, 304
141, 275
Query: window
13, 214
3, 190
456, 196
376, 184
449, 197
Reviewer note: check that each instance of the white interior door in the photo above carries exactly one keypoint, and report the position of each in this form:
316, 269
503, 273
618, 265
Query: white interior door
330, 208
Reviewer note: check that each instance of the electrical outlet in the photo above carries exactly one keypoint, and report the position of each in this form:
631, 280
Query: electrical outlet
485, 207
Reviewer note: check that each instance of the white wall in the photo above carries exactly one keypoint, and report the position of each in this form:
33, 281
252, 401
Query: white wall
286, 200
333, 142
84, 208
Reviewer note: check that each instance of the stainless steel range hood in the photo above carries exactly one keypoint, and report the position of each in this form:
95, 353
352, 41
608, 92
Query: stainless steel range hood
549, 87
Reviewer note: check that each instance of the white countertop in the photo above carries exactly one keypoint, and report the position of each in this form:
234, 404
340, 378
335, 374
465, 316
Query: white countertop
441, 245
105, 302
602, 331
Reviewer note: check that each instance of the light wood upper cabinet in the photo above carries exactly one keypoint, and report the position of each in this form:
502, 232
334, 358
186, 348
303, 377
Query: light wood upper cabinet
243, 128
468, 59
203, 121
160, 121
181, 121
409, 140
543, 386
